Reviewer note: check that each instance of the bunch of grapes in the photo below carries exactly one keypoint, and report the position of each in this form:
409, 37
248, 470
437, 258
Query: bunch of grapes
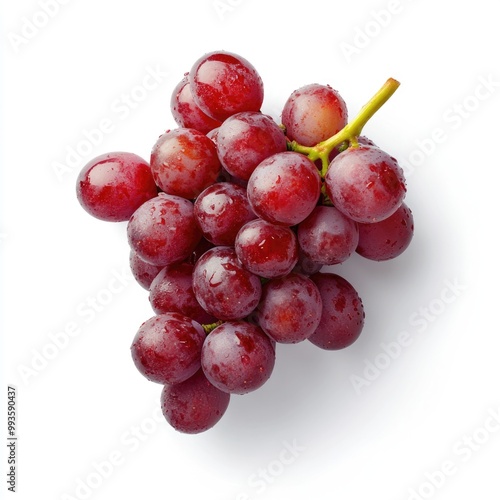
231, 225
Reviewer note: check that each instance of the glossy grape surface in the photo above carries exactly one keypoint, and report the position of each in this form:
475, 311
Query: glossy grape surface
184, 162
386, 239
195, 405
237, 357
112, 186
266, 249
172, 291
246, 139
365, 183
342, 317
221, 210
143, 272
163, 230
224, 84
313, 114
284, 188
223, 287
167, 348
290, 308
327, 236
186, 112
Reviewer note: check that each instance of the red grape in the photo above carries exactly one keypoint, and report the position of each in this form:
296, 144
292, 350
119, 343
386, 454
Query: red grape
284, 188
223, 287
221, 210
186, 112
143, 272
365, 183
195, 405
342, 317
113, 186
163, 230
237, 357
172, 291
266, 249
224, 84
246, 139
167, 348
313, 114
290, 308
388, 238
184, 162
327, 236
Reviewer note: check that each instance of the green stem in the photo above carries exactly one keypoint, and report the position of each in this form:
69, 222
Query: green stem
211, 326
351, 131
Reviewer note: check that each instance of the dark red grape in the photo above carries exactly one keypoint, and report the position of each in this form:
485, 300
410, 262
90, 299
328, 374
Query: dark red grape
113, 186
237, 357
386, 239
186, 112
163, 230
313, 114
167, 348
266, 249
223, 287
290, 308
172, 291
143, 272
284, 188
327, 236
246, 139
195, 405
184, 162
221, 210
342, 317
365, 183
306, 266
224, 84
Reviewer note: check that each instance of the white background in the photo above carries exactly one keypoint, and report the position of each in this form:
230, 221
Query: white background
428, 407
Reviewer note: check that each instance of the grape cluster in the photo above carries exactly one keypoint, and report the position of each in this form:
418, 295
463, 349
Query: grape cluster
231, 223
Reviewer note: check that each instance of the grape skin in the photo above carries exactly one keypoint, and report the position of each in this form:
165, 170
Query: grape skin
221, 210
246, 139
342, 316
284, 188
313, 114
290, 308
167, 348
365, 183
172, 291
223, 287
186, 112
112, 186
224, 84
237, 357
195, 405
163, 230
386, 239
266, 249
143, 272
184, 162
327, 236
